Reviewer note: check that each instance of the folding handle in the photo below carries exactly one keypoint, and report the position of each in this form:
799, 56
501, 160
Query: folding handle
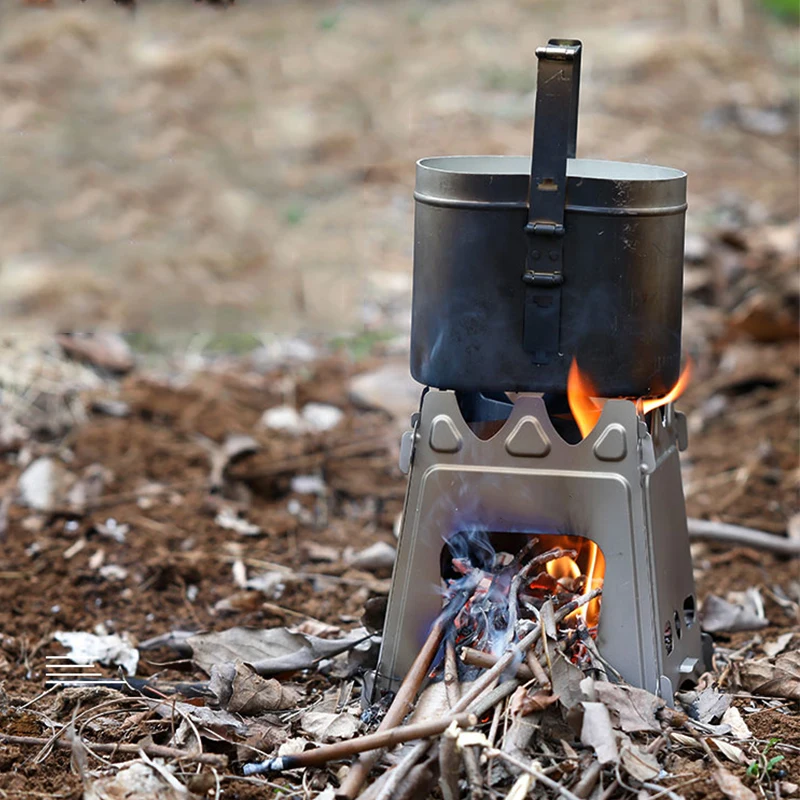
554, 141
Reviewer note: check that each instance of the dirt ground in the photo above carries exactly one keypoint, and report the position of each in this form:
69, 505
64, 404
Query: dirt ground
249, 173
192, 169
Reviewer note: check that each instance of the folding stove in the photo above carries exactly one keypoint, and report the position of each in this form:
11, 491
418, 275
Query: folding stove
523, 271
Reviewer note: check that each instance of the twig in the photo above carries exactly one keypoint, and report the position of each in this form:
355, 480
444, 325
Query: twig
401, 705
374, 741
389, 788
520, 649
747, 537
453, 690
156, 750
493, 752
479, 658
449, 764
585, 786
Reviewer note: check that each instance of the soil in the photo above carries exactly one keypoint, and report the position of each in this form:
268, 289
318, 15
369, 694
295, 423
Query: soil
174, 543
184, 169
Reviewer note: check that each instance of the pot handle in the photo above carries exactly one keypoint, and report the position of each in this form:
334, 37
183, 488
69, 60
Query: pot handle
554, 138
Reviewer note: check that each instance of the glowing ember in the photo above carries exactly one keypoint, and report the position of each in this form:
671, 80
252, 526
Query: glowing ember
586, 410
503, 588
588, 567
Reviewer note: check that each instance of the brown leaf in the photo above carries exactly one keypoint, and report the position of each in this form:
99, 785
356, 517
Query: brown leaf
778, 679
104, 350
523, 703
731, 786
328, 727
241, 691
269, 651
719, 615
597, 732
635, 708
639, 763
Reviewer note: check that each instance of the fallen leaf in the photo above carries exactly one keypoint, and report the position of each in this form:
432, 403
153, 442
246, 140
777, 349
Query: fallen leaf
635, 708
230, 521
773, 649
739, 729
709, 706
217, 721
523, 703
638, 763
719, 615
778, 679
88, 648
731, 786
730, 751
328, 727
268, 651
597, 732
320, 552
315, 627
566, 680
108, 351
44, 484
241, 691
378, 556
138, 782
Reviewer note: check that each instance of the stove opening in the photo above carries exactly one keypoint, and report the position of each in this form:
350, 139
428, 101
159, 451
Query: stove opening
514, 574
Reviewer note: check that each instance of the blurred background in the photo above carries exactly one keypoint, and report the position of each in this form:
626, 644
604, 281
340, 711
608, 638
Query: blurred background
188, 168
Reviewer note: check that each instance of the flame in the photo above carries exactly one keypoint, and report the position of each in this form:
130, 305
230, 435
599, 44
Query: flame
589, 562
586, 410
673, 394
580, 391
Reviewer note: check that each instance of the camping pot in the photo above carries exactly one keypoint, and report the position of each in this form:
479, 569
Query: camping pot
521, 265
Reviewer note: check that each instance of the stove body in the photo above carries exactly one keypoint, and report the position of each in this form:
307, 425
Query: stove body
620, 487
520, 268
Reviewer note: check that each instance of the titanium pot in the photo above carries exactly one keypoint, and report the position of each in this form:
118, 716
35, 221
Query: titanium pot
521, 265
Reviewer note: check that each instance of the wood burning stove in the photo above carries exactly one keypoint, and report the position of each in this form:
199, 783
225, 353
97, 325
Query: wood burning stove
519, 276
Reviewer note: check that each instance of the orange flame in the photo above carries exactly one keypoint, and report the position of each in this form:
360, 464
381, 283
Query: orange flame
588, 562
586, 411
580, 391
674, 393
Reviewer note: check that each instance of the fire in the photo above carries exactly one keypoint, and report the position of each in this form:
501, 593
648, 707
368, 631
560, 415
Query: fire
580, 394
670, 397
588, 564
586, 410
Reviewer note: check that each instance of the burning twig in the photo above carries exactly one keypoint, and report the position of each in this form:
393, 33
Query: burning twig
519, 650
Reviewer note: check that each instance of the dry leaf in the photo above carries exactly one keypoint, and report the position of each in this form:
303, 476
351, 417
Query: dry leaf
241, 691
376, 557
775, 648
139, 781
739, 729
781, 679
523, 703
327, 727
597, 732
719, 615
268, 651
730, 751
638, 763
566, 679
107, 351
731, 786
635, 708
